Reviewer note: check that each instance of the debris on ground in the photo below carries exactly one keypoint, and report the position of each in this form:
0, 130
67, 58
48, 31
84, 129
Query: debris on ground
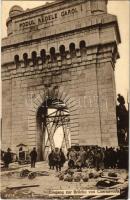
76, 175
32, 175
105, 183
21, 186
24, 173
43, 173
112, 174
68, 177
85, 177
65, 180
27, 173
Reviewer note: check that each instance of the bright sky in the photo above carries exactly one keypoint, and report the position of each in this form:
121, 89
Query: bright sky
118, 8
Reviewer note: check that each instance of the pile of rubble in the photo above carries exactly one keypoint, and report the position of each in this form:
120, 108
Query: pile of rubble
76, 175
102, 178
32, 175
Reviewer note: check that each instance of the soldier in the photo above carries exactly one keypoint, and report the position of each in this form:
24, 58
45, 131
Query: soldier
7, 158
33, 156
83, 156
99, 157
106, 158
78, 162
21, 154
62, 156
57, 159
68, 152
72, 158
51, 159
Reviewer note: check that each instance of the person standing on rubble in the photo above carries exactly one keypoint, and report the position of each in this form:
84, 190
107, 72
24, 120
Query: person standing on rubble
33, 156
7, 158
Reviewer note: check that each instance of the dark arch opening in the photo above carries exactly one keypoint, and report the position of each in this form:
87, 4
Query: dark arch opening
48, 57
34, 57
72, 49
43, 55
62, 51
52, 53
82, 44
25, 58
16, 60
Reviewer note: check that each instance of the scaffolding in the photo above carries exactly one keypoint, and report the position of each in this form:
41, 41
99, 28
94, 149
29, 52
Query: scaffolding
52, 121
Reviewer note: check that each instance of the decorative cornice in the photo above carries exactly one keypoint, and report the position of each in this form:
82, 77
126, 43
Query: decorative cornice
94, 55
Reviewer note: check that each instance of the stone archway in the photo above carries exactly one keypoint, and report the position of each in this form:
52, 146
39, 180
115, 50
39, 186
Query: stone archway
52, 115
44, 100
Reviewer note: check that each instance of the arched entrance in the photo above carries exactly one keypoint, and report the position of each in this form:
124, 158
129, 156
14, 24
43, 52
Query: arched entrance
53, 125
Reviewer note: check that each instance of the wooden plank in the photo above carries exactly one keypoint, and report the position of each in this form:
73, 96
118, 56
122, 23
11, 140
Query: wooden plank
21, 186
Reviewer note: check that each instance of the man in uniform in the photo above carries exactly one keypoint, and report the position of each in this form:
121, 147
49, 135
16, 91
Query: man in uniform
51, 159
57, 159
72, 158
33, 156
7, 158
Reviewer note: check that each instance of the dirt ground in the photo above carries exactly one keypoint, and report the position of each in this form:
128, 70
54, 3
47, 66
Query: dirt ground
45, 184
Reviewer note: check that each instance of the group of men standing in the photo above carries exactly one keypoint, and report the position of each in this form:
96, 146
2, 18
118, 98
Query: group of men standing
90, 157
7, 157
76, 158
98, 157
85, 158
56, 159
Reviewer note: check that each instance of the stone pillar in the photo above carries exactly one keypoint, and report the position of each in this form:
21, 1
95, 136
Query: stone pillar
6, 114
107, 96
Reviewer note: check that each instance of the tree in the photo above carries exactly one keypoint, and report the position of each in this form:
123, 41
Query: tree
122, 120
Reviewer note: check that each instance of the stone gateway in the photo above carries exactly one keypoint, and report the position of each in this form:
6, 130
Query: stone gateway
58, 64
